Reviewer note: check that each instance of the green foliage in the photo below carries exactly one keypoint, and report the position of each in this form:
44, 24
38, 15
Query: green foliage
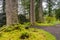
25, 34
45, 24
26, 5
57, 12
22, 19
50, 19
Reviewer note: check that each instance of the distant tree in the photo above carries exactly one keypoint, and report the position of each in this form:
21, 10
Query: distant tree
50, 6
36, 9
4, 6
57, 12
57, 9
26, 5
11, 11
40, 19
32, 12
3, 15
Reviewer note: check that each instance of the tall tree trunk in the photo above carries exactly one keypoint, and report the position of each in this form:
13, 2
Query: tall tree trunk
11, 11
41, 19
32, 13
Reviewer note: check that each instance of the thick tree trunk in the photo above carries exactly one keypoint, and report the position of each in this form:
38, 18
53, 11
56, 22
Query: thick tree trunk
32, 12
41, 19
11, 11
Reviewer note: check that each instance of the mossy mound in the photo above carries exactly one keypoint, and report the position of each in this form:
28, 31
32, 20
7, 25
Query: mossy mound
20, 32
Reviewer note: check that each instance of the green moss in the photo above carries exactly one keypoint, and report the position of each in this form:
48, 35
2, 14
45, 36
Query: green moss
26, 34
45, 24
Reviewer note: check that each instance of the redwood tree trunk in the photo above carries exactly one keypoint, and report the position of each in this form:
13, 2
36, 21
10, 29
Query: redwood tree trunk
11, 12
32, 13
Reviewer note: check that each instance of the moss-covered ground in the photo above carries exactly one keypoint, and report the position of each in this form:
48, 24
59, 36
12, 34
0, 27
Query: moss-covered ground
22, 32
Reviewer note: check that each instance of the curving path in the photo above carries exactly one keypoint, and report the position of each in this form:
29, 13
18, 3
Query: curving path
55, 30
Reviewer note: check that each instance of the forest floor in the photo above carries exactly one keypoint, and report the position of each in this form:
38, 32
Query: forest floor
54, 30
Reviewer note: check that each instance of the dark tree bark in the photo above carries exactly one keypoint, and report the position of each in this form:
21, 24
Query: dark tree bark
11, 12
3, 6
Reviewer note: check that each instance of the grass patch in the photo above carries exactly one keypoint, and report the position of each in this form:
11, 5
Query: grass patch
20, 32
45, 24
48, 24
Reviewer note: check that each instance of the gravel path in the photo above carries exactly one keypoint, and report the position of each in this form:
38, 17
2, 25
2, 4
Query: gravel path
55, 30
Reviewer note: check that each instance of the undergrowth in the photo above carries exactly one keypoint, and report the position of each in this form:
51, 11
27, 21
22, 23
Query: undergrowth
23, 32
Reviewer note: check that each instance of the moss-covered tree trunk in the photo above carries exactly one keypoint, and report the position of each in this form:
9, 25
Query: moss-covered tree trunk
11, 12
32, 13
